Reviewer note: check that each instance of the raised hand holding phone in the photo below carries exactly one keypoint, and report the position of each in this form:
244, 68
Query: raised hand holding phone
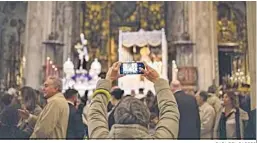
113, 72
150, 73
128, 68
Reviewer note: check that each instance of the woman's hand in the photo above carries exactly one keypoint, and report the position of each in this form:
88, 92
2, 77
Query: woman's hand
113, 72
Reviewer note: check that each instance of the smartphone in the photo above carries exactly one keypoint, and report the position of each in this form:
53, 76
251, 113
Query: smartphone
131, 68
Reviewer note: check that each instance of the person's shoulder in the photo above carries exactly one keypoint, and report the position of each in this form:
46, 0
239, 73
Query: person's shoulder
243, 114
209, 108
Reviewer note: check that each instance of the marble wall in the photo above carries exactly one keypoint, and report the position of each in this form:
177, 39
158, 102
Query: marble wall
174, 28
44, 18
202, 24
251, 31
12, 30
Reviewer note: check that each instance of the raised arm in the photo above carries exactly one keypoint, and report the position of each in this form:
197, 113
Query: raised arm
97, 113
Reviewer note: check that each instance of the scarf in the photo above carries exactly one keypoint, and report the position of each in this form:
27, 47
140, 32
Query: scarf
222, 125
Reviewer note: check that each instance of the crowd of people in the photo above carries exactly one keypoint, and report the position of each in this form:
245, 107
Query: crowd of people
171, 113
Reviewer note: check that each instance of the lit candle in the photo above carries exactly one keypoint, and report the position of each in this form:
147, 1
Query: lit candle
56, 72
50, 68
47, 66
53, 71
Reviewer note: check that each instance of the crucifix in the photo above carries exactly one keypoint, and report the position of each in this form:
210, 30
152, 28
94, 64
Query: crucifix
83, 52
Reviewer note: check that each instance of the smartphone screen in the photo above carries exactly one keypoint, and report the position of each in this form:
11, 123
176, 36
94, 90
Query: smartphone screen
131, 68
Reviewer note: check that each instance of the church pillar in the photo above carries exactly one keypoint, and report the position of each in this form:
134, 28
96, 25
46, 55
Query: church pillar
38, 26
44, 18
251, 31
202, 24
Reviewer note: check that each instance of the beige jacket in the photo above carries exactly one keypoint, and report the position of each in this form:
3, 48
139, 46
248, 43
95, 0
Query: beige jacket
53, 120
207, 116
231, 124
215, 102
167, 126
23, 124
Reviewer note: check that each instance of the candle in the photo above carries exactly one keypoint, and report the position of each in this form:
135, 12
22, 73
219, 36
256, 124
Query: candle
53, 71
56, 72
82, 38
47, 66
50, 68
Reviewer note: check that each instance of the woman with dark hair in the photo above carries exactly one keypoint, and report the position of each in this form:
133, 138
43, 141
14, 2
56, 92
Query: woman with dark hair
29, 103
231, 119
41, 101
117, 94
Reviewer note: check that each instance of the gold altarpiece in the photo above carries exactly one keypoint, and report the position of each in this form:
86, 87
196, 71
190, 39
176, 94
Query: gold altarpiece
232, 41
101, 22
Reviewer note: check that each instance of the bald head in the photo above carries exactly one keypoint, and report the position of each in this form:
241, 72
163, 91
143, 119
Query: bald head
175, 85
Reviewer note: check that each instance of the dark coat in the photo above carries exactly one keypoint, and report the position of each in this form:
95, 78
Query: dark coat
76, 127
12, 133
189, 123
250, 132
8, 122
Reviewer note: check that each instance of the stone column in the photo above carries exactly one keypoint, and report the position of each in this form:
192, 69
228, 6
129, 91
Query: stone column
38, 26
67, 32
202, 24
251, 34
175, 28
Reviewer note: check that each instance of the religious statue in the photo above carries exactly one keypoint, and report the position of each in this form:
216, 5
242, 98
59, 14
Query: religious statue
83, 52
81, 79
227, 31
145, 55
68, 69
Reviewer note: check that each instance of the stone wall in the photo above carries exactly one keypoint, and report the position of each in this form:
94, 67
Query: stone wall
251, 31
202, 24
44, 18
12, 29
174, 28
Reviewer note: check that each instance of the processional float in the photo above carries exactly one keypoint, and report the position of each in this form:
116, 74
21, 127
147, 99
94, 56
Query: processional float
129, 43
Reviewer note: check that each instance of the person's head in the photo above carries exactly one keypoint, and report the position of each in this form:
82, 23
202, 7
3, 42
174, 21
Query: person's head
212, 89
41, 101
6, 99
141, 90
132, 111
117, 94
52, 86
133, 93
230, 99
28, 98
149, 99
202, 98
175, 86
71, 95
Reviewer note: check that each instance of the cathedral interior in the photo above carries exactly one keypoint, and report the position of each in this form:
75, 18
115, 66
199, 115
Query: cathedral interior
211, 42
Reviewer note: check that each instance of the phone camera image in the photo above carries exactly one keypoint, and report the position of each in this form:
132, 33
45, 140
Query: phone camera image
131, 68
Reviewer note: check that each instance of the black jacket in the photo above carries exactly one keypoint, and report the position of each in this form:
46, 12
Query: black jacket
76, 127
189, 123
250, 132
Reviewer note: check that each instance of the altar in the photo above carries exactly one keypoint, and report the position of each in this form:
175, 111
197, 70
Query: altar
148, 46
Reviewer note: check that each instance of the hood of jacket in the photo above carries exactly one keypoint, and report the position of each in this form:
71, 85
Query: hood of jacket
131, 131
